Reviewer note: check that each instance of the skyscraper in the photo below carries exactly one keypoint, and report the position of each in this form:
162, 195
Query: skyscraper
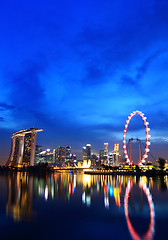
116, 155
106, 153
67, 154
105, 149
60, 160
46, 156
84, 153
88, 150
101, 156
23, 147
37, 154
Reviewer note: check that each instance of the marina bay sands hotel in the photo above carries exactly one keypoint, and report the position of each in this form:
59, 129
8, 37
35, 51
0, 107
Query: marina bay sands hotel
23, 145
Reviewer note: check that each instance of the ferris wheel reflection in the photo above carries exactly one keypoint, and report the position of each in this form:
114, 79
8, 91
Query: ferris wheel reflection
150, 232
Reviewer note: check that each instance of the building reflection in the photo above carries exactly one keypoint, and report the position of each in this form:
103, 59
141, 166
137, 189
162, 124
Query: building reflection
20, 195
115, 191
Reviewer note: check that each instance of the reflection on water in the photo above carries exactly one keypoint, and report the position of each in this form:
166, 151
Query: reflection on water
142, 184
119, 192
20, 196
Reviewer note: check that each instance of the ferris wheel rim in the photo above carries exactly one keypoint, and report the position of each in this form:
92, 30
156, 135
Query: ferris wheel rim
145, 155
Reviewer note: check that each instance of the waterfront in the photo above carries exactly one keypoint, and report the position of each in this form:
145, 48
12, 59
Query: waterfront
74, 205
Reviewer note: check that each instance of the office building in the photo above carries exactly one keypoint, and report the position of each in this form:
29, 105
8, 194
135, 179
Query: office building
37, 154
116, 155
60, 156
84, 153
101, 157
105, 154
67, 154
46, 156
88, 150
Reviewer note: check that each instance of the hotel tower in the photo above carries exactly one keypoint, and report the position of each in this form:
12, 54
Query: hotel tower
23, 147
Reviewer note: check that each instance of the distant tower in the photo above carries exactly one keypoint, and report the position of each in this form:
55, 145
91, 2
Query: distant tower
67, 154
61, 155
88, 150
37, 154
116, 155
101, 156
110, 159
105, 153
23, 147
84, 154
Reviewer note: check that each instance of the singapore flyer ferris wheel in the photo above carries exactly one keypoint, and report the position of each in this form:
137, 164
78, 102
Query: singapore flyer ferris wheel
145, 155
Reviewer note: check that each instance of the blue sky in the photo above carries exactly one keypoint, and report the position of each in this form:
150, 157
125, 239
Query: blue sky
79, 68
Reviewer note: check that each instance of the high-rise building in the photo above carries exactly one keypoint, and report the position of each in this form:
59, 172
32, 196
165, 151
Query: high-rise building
84, 153
67, 154
23, 147
60, 156
38, 149
116, 155
116, 148
46, 156
105, 149
106, 153
110, 159
95, 161
88, 150
55, 155
37, 154
101, 157
72, 160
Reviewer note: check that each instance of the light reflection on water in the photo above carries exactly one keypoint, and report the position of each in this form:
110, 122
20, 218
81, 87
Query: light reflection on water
128, 197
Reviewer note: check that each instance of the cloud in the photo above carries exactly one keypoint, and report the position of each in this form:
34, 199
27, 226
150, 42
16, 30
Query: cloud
5, 106
127, 80
26, 89
145, 65
1, 119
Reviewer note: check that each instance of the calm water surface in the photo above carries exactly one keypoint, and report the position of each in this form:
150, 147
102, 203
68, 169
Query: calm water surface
77, 206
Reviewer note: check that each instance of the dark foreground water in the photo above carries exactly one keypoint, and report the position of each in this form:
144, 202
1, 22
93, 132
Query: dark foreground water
77, 206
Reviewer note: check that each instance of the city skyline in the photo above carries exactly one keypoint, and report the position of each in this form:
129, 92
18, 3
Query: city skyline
78, 69
24, 153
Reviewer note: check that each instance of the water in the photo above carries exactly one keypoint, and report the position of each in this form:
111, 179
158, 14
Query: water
77, 206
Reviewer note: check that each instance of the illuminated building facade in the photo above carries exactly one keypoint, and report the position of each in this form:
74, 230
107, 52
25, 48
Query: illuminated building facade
95, 161
101, 156
23, 147
105, 149
67, 154
111, 159
116, 155
46, 156
37, 154
84, 153
72, 160
88, 150
60, 156
106, 153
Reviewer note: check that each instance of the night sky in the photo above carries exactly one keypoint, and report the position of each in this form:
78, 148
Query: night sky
79, 68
